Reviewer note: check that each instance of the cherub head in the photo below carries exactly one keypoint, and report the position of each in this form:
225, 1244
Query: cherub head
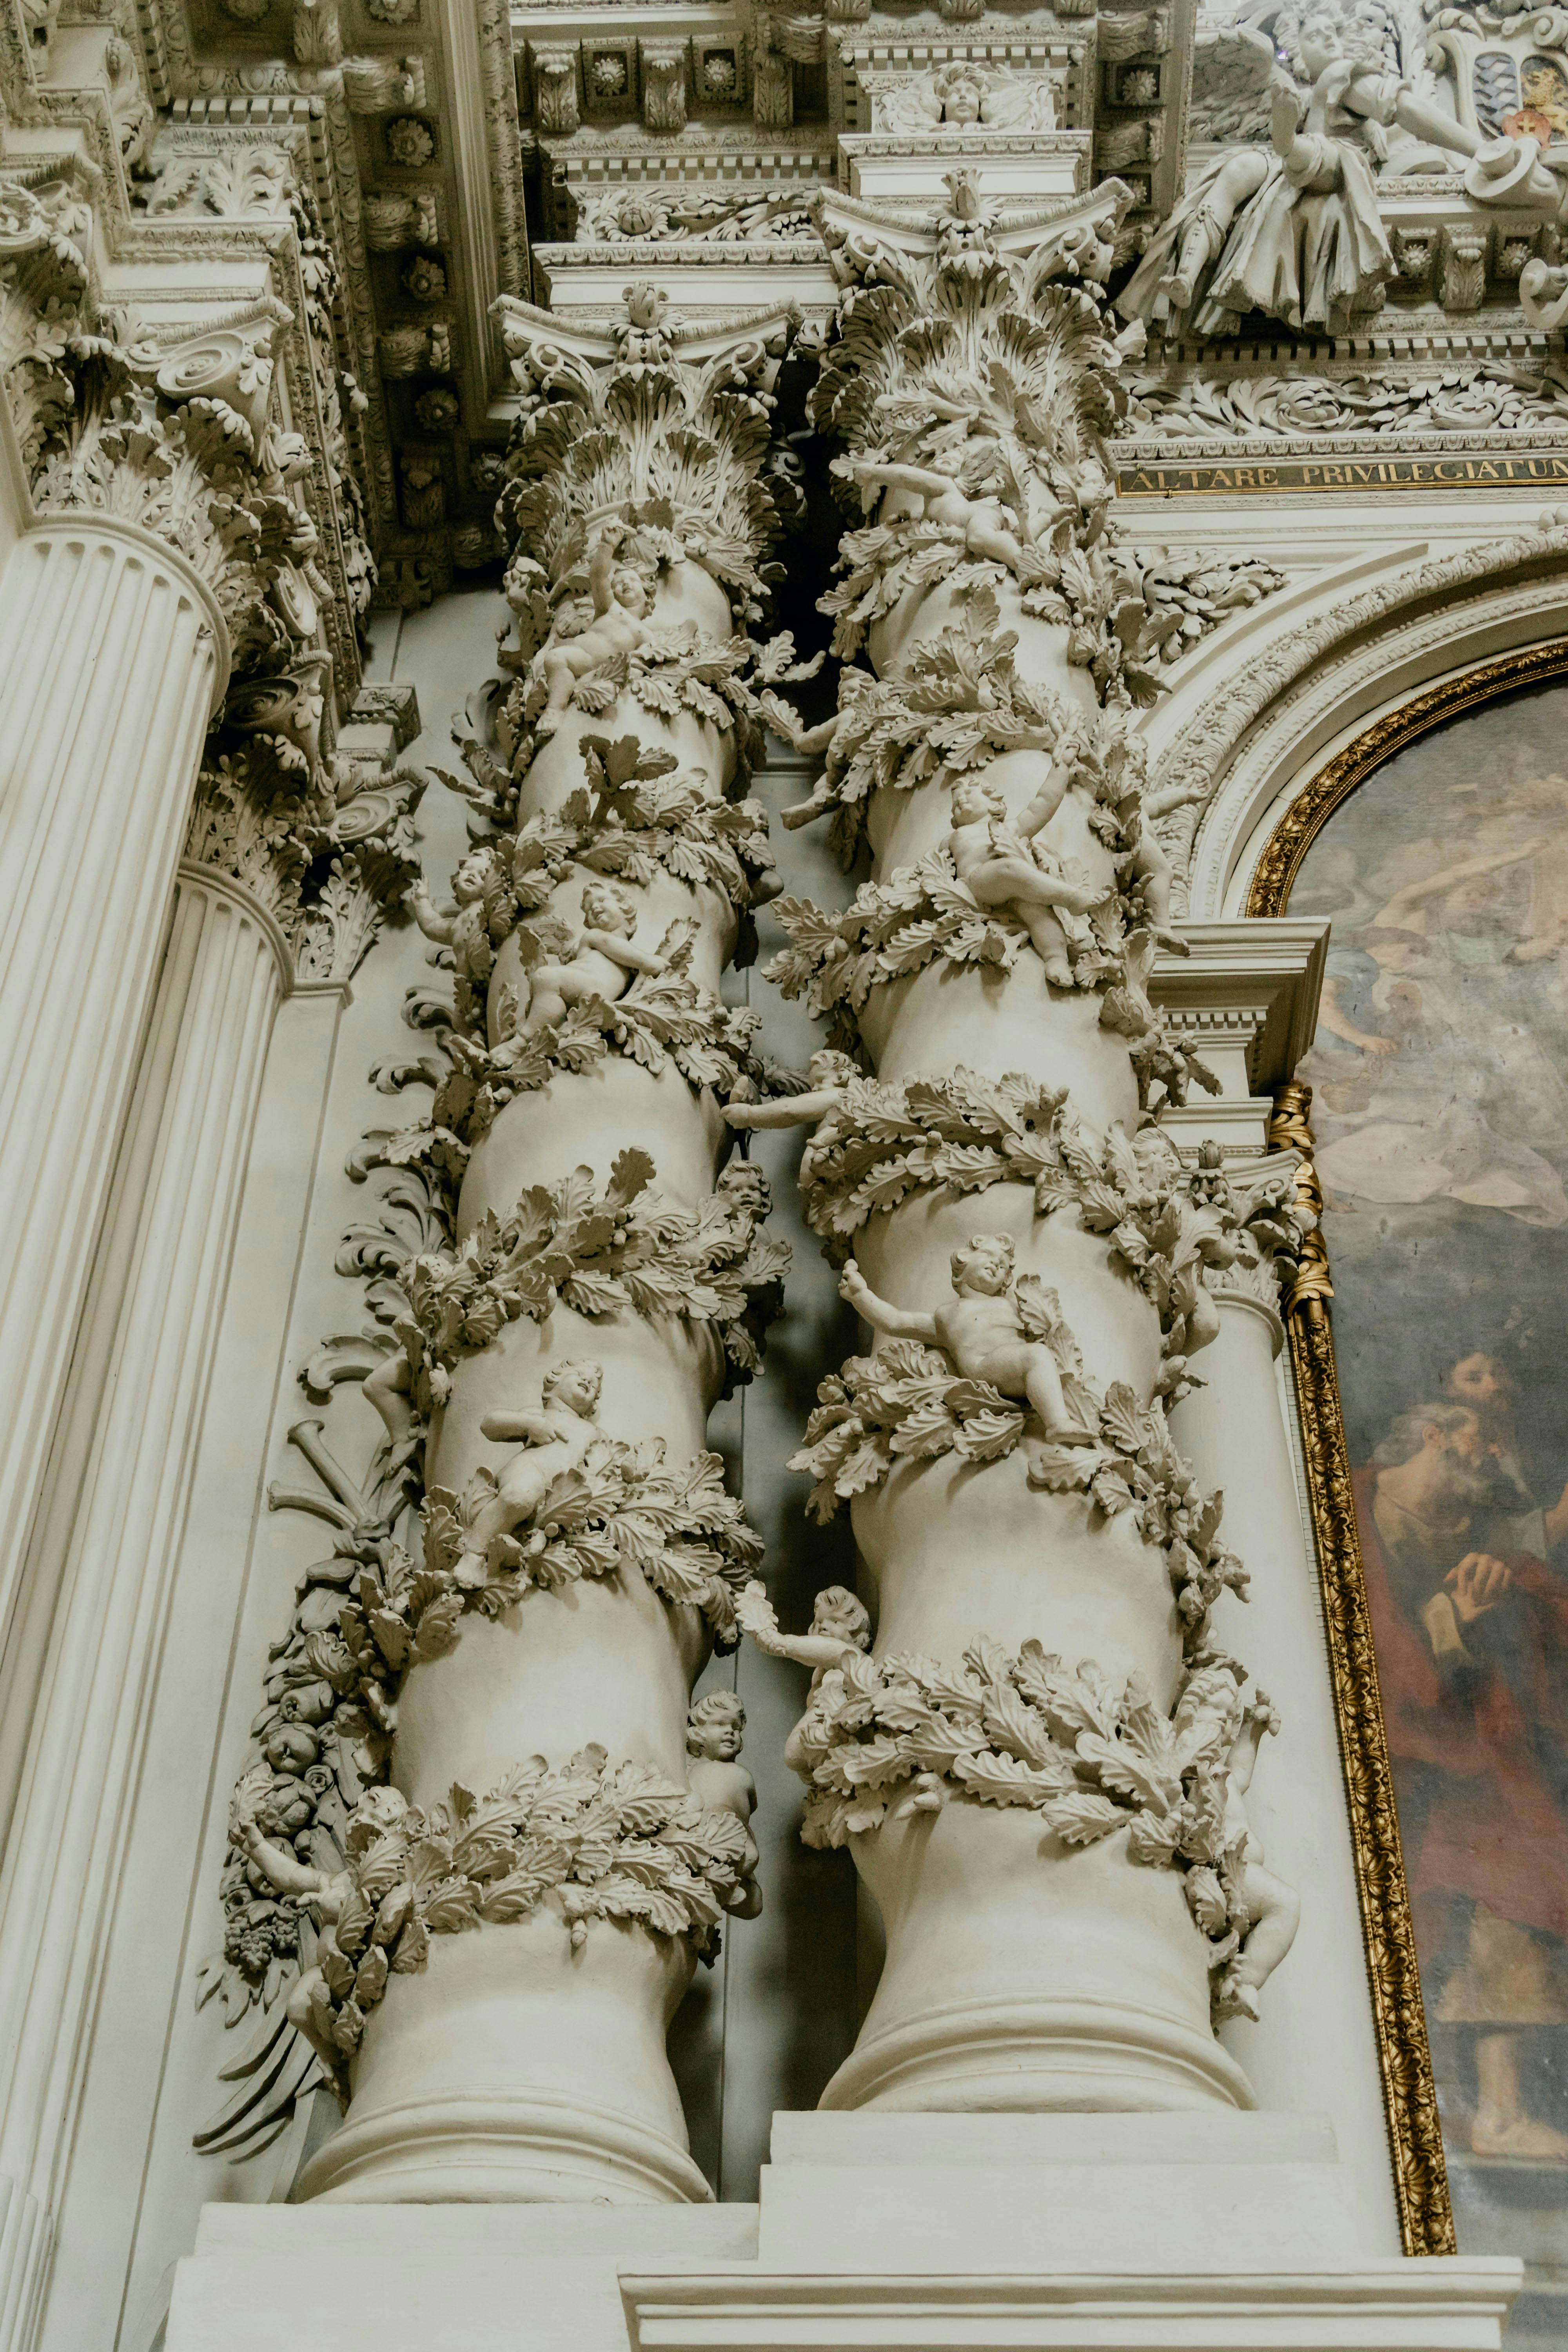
986, 1266
468, 881
829, 1067
745, 1183
631, 590
714, 1727
573, 1387
842, 1617
1320, 39
963, 92
974, 803
378, 1811
607, 907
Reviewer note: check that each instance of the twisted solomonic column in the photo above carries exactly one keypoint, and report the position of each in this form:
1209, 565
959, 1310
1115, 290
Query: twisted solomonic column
1039, 1761
536, 1837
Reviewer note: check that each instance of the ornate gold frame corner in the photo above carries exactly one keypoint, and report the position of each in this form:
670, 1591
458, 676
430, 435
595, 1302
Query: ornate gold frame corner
1410, 2095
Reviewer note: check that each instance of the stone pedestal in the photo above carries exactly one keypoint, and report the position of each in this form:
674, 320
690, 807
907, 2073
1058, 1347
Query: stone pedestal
1240, 2231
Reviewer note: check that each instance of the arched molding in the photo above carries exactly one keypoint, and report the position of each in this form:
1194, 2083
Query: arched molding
1299, 702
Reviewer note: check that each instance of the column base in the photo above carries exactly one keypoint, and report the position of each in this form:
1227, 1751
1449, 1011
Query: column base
1035, 2056
487, 2149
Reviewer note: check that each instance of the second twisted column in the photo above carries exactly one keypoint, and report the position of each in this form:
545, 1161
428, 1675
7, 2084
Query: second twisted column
1038, 1761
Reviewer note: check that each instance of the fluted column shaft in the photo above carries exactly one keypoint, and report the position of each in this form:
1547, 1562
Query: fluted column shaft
1234, 1434
103, 1552
115, 656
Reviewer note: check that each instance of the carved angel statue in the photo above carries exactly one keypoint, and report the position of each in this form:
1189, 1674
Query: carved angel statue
555, 1438
840, 1633
810, 1094
714, 1730
463, 927
840, 1628
1293, 230
565, 967
1003, 866
622, 601
996, 1327
854, 686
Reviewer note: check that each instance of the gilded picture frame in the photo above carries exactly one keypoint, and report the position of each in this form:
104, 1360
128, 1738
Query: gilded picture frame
1420, 2172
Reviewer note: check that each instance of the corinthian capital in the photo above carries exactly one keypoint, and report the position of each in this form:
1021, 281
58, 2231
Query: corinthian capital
649, 422
45, 232
174, 437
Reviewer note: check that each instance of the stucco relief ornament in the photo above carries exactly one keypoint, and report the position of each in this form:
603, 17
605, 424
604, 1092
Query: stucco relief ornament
46, 232
962, 93
1004, 1450
888, 1738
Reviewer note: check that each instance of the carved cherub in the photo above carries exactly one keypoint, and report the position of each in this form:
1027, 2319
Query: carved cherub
993, 1327
840, 1629
1274, 1909
714, 1728
463, 928
389, 1388
556, 1438
922, 494
597, 961
1149, 862
827, 1074
854, 686
840, 1633
1001, 866
325, 1892
622, 602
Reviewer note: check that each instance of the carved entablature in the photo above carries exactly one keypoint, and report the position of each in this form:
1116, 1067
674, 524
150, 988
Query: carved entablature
1494, 390
210, 125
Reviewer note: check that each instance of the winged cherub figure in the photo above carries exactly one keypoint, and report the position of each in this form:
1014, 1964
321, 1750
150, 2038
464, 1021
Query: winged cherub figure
556, 1438
597, 961
994, 1329
623, 603
1003, 865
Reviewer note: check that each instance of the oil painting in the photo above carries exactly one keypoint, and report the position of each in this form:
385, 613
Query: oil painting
1440, 1080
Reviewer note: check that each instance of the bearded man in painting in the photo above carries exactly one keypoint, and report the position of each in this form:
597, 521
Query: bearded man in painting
1472, 1649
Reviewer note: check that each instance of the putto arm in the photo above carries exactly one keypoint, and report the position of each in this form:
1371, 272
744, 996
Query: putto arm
427, 914
518, 1428
882, 1316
